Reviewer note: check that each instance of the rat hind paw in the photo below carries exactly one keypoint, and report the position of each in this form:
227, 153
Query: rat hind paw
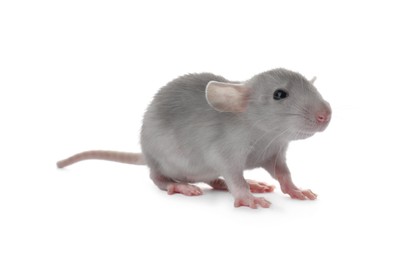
184, 188
260, 187
301, 194
218, 184
254, 186
252, 202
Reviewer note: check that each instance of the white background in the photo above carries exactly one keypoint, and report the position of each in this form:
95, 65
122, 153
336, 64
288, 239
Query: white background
78, 75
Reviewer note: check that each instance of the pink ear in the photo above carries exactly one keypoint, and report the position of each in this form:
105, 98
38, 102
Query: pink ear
227, 97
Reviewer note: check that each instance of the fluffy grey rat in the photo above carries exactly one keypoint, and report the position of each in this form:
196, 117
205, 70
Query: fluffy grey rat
204, 128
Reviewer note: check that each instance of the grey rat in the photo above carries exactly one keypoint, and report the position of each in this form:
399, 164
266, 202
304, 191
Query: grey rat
205, 128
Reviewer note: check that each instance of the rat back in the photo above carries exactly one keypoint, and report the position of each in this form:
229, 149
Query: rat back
182, 136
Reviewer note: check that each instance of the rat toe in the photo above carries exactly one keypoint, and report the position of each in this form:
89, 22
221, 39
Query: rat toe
252, 202
260, 187
184, 188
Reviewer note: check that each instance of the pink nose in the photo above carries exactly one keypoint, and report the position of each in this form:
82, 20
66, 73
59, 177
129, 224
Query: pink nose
323, 116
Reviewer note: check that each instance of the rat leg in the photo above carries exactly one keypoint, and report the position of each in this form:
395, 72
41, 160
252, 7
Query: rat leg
279, 170
255, 186
172, 187
240, 190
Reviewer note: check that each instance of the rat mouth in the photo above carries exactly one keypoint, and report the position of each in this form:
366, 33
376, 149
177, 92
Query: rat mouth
320, 127
309, 130
302, 134
312, 126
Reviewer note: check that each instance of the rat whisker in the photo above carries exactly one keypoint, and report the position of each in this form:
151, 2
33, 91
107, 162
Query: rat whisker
270, 143
276, 159
300, 109
256, 142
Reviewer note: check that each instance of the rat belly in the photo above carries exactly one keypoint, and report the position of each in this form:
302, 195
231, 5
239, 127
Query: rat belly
180, 164
188, 169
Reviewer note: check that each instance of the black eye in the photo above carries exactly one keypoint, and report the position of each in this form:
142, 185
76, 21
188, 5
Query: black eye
280, 94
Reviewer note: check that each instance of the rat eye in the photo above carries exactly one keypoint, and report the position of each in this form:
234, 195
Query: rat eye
280, 94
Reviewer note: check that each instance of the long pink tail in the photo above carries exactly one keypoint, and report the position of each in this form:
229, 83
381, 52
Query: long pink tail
122, 157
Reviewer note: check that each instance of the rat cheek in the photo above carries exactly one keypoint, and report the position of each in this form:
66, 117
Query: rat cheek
303, 124
257, 109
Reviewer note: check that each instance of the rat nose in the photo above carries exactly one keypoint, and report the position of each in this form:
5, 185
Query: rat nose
323, 116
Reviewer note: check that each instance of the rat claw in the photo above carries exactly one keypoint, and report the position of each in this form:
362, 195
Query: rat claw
309, 194
301, 194
184, 188
260, 187
252, 202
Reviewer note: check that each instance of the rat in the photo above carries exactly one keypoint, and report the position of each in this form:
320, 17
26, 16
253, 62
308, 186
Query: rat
205, 128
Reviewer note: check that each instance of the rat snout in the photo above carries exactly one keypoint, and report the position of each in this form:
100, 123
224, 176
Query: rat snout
323, 116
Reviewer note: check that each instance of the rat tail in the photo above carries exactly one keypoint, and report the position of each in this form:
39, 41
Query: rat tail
130, 158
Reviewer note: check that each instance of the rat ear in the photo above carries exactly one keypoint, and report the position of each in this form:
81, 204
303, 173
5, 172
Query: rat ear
313, 80
227, 97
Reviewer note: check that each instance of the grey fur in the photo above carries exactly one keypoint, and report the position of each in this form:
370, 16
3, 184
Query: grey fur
185, 140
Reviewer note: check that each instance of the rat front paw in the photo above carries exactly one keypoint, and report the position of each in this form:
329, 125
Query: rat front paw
252, 202
301, 194
260, 187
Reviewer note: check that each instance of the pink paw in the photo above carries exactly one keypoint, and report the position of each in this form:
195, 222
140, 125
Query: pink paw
219, 184
184, 188
301, 194
260, 187
252, 202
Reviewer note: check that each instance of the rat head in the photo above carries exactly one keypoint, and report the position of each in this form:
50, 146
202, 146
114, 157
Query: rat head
279, 100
